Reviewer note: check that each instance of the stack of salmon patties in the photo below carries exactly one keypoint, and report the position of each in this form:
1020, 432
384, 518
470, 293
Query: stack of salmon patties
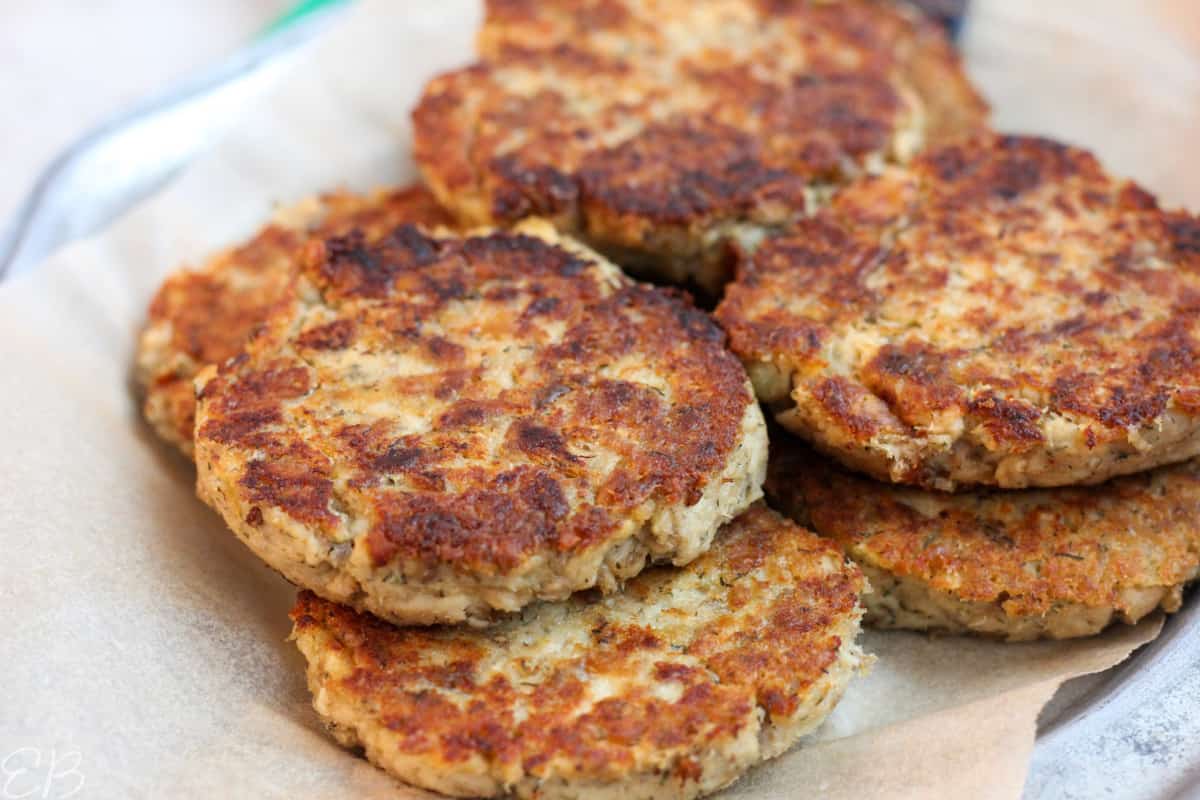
995, 351
521, 489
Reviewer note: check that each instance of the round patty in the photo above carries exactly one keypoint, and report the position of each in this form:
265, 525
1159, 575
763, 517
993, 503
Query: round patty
435, 427
1002, 312
1035, 563
671, 689
204, 316
659, 130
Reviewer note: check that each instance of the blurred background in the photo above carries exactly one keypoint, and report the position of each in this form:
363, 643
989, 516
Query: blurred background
66, 65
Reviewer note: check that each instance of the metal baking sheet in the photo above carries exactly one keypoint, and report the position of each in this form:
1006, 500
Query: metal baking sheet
1131, 732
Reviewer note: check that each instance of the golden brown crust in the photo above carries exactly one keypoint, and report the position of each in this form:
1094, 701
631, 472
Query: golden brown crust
727, 118
497, 406
203, 316
681, 678
1029, 554
1002, 312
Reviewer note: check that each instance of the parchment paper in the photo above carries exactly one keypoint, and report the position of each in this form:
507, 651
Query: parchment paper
142, 648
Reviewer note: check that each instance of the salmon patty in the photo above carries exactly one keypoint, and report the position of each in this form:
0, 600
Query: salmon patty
1002, 312
671, 689
660, 131
436, 427
1019, 565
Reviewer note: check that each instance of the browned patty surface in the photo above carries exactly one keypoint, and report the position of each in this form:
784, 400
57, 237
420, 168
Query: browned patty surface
657, 130
436, 426
672, 688
203, 316
1003, 312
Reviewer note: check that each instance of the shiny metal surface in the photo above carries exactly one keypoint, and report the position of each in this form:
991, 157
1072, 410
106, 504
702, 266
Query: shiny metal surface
1135, 730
